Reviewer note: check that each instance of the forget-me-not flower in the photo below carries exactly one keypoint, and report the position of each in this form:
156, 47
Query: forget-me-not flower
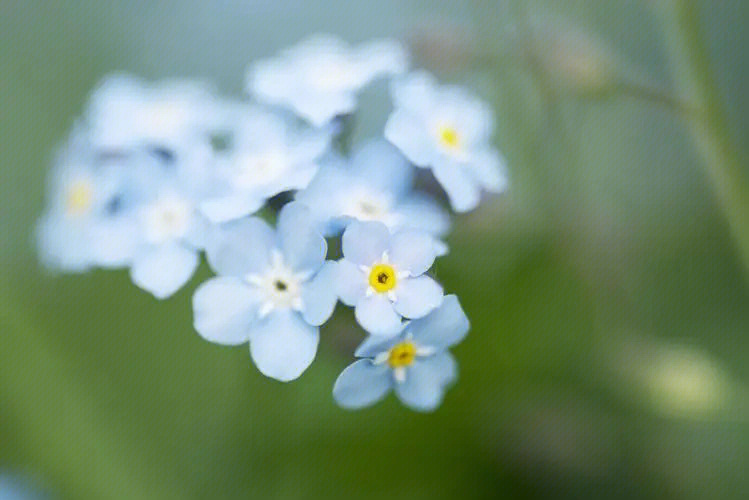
382, 276
375, 185
448, 130
415, 363
320, 77
274, 289
269, 155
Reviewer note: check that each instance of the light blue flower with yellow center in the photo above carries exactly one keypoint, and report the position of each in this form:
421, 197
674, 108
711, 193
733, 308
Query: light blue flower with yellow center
375, 185
320, 78
415, 363
270, 154
382, 276
448, 130
274, 290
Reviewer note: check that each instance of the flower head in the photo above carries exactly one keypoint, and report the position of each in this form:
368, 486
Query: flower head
415, 363
274, 289
320, 78
448, 130
382, 276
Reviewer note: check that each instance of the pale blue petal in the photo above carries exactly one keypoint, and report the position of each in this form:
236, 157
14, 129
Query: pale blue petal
365, 242
377, 316
361, 384
114, 242
409, 134
319, 295
241, 247
163, 269
223, 310
350, 282
488, 168
383, 168
417, 297
422, 390
422, 212
63, 246
231, 207
375, 344
443, 366
461, 188
413, 251
282, 345
445, 326
303, 247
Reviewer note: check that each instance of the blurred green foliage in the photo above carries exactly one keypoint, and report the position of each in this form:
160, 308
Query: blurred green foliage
610, 311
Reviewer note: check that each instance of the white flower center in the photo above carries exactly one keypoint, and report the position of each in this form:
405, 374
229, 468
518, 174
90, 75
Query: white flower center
367, 206
258, 169
167, 218
280, 285
333, 74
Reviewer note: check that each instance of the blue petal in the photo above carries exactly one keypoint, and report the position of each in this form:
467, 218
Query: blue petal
423, 388
443, 366
424, 213
319, 295
445, 326
461, 188
282, 345
231, 206
413, 251
303, 247
489, 170
416, 297
223, 310
365, 242
383, 168
241, 247
350, 282
376, 344
377, 316
164, 269
361, 384
408, 133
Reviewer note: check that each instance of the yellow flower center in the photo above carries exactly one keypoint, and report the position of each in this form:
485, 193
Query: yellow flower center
402, 355
382, 277
79, 197
449, 137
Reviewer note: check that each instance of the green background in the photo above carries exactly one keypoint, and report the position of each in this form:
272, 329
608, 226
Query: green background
608, 355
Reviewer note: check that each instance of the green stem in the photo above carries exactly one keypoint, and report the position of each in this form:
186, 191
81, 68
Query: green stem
693, 74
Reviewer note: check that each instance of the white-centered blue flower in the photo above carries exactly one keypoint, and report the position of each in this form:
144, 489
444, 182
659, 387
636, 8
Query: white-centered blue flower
382, 276
270, 154
448, 130
415, 363
376, 185
274, 289
320, 77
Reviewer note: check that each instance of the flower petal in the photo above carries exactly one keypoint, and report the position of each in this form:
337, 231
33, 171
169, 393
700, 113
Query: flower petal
231, 207
163, 269
443, 366
423, 388
445, 326
413, 251
319, 295
377, 316
407, 132
303, 247
282, 345
376, 344
422, 212
417, 297
361, 384
365, 242
350, 282
240, 247
223, 310
461, 188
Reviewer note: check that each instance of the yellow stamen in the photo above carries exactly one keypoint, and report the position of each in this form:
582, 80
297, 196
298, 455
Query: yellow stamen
382, 277
402, 354
79, 197
449, 137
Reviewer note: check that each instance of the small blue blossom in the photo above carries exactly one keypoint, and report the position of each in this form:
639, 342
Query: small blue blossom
320, 78
376, 185
382, 276
414, 363
274, 289
270, 154
448, 130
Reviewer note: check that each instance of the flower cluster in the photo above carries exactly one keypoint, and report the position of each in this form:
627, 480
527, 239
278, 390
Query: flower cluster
155, 175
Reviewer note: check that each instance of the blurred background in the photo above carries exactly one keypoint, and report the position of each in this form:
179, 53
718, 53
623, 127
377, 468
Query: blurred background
609, 353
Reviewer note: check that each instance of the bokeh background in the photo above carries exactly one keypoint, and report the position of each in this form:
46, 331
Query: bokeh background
610, 306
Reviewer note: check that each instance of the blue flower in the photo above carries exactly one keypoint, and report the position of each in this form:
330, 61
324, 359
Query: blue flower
415, 363
382, 276
320, 78
375, 186
448, 130
274, 289
269, 155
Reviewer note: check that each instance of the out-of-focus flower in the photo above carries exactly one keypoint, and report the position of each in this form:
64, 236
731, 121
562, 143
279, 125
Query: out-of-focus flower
274, 289
382, 276
376, 185
320, 77
448, 130
414, 363
269, 155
